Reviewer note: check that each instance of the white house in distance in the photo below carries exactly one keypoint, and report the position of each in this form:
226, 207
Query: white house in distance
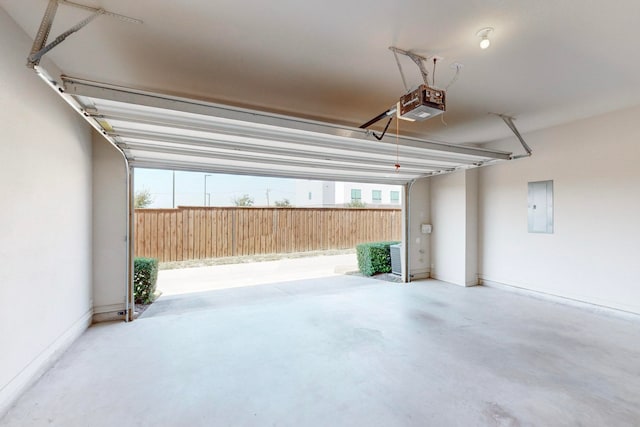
327, 194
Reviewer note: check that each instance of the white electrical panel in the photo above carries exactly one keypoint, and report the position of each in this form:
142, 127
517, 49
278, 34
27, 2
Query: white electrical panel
540, 208
425, 228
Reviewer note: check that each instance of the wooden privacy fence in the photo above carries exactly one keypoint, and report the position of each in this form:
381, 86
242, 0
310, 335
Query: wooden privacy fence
209, 232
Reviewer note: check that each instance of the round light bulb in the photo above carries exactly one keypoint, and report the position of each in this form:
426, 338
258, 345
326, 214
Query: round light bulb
483, 33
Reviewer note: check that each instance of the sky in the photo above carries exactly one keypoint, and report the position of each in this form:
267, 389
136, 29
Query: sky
221, 188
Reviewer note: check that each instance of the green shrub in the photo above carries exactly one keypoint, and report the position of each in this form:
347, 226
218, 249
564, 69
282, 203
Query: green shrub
145, 276
374, 257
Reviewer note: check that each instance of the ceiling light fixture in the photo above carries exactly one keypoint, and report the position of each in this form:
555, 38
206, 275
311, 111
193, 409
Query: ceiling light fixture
484, 37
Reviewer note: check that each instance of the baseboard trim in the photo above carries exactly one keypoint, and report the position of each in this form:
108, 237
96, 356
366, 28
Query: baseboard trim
593, 307
420, 274
464, 285
41, 363
108, 308
110, 316
109, 313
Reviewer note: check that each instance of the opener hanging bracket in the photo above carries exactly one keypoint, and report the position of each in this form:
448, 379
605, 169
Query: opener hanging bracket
418, 59
40, 46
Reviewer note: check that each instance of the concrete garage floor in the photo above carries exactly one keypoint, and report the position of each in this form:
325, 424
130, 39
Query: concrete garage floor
347, 351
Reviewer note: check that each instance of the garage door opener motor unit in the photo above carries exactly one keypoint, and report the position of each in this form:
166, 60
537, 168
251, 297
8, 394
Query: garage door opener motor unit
422, 103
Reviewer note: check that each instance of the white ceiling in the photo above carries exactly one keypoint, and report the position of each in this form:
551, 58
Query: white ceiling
550, 61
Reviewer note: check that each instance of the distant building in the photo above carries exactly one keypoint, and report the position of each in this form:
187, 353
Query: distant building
328, 194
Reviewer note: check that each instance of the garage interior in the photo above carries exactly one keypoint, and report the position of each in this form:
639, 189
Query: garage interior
551, 336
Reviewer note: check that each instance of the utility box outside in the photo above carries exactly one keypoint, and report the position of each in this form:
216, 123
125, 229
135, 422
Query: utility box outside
396, 262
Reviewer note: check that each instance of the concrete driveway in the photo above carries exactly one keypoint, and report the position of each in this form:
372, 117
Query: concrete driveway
199, 279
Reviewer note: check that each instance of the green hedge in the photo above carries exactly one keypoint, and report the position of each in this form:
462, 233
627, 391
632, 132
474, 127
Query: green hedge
374, 257
145, 276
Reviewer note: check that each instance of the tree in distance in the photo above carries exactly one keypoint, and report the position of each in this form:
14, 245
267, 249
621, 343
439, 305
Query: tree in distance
355, 204
284, 203
245, 200
142, 199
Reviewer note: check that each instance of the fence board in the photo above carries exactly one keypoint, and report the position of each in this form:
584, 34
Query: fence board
223, 227
192, 233
203, 233
159, 232
154, 233
147, 237
185, 234
168, 242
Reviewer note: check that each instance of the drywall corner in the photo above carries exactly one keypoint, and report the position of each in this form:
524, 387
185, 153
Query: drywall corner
109, 231
471, 227
454, 239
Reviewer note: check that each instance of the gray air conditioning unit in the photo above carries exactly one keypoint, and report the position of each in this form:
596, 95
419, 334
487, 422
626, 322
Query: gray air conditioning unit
396, 263
423, 103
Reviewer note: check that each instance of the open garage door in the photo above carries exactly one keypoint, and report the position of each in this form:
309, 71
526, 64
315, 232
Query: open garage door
165, 132
159, 131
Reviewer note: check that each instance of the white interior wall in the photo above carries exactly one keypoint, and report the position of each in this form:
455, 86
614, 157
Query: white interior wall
454, 247
109, 231
594, 253
471, 227
45, 237
448, 235
419, 244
